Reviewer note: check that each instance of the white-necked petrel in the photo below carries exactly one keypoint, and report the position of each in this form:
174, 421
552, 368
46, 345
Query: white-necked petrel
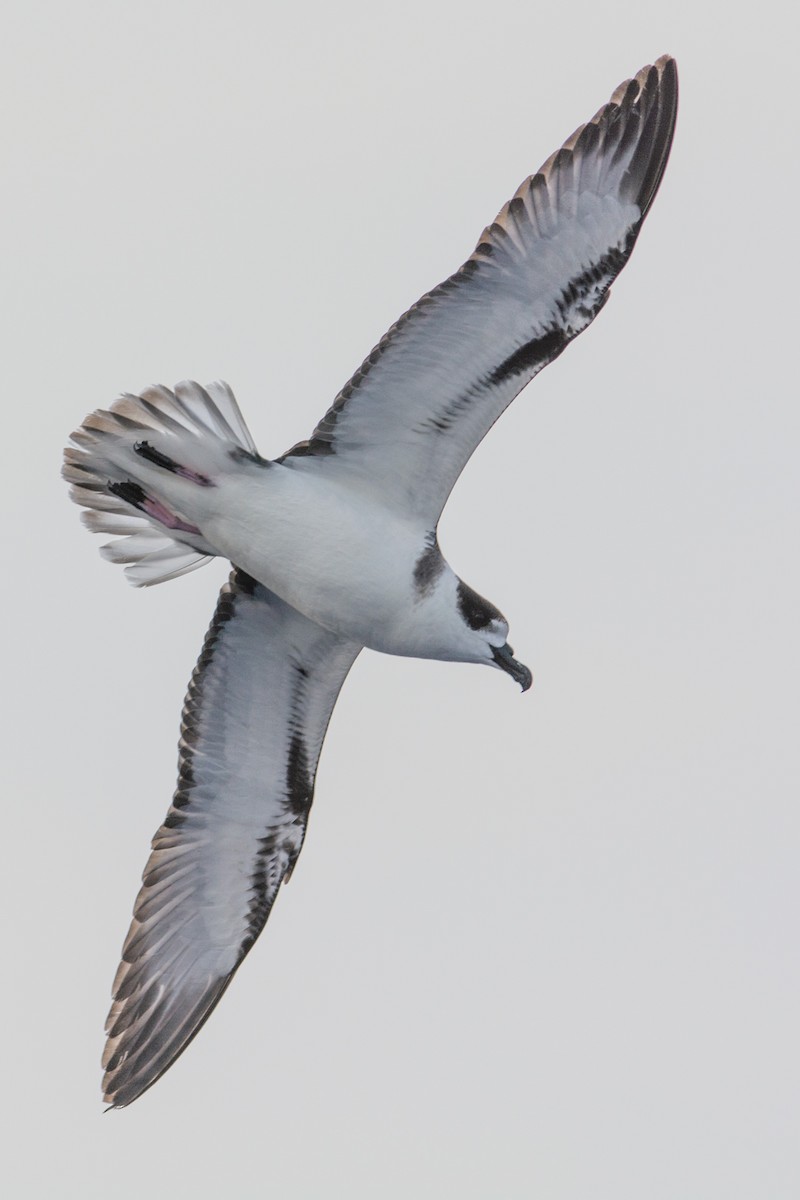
334, 548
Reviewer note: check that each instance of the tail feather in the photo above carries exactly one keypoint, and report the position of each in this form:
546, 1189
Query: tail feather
211, 409
126, 459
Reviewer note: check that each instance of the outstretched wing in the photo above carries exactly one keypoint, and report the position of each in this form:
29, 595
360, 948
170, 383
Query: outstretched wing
409, 419
253, 723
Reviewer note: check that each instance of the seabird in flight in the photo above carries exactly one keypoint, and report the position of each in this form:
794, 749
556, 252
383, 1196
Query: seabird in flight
334, 548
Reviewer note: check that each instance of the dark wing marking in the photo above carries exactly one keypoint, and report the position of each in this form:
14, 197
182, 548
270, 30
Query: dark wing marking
253, 723
411, 416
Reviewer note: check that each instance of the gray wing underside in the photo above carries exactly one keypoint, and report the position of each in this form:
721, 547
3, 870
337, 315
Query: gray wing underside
412, 415
254, 719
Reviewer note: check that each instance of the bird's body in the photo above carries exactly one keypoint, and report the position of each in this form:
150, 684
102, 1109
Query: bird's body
307, 538
334, 549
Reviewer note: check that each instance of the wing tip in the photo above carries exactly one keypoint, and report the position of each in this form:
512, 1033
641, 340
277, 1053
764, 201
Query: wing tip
638, 119
655, 144
125, 1080
652, 93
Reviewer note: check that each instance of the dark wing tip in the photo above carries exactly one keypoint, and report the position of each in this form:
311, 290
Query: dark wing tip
628, 140
657, 102
641, 112
141, 1052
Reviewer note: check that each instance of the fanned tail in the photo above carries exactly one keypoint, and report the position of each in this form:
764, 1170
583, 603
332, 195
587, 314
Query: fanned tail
136, 467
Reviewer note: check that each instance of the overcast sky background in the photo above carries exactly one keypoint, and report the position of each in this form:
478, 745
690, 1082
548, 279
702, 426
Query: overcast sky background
535, 946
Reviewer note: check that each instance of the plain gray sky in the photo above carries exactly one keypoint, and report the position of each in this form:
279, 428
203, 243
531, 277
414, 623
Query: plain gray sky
535, 946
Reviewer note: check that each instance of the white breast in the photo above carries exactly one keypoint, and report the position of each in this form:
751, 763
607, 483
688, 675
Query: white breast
342, 562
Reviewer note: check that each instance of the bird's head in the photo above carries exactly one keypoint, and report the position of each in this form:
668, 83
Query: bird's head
489, 634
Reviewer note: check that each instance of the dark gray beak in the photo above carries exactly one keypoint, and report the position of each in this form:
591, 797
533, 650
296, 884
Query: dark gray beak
504, 657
